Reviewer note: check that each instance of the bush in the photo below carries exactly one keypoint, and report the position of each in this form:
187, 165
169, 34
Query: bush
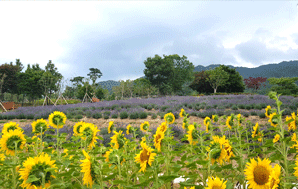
234, 107
106, 117
245, 114
97, 115
134, 115
107, 113
153, 116
88, 114
115, 116
241, 106
123, 115
248, 107
253, 113
115, 106
163, 108
78, 117
208, 107
30, 116
149, 107
262, 115
258, 107
143, 115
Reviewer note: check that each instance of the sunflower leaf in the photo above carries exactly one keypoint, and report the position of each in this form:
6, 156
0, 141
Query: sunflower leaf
32, 178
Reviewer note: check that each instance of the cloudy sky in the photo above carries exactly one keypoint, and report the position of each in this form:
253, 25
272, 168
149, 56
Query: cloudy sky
117, 36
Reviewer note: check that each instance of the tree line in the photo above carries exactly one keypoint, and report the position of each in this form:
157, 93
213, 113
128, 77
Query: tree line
167, 75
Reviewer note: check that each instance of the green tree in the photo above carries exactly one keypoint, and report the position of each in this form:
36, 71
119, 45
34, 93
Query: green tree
200, 83
69, 92
169, 73
142, 87
234, 84
82, 90
217, 77
284, 85
77, 80
94, 74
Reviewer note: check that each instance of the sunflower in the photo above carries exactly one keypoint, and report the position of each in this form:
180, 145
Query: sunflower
260, 137
40, 126
169, 118
189, 135
274, 177
77, 127
296, 168
276, 138
239, 119
273, 122
207, 123
145, 157
291, 125
268, 111
215, 118
145, 126
10, 126
57, 119
128, 129
2, 158
163, 127
159, 135
294, 122
255, 129
36, 167
107, 155
182, 113
183, 125
88, 132
111, 126
294, 137
118, 140
257, 173
88, 170
8, 140
229, 122
216, 183
220, 150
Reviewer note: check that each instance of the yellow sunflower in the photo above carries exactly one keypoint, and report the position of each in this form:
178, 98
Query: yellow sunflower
87, 170
229, 122
296, 168
183, 125
2, 158
255, 129
145, 157
10, 126
268, 111
276, 138
207, 123
291, 125
163, 127
118, 140
57, 119
294, 123
35, 167
128, 129
159, 135
274, 177
8, 140
107, 154
239, 119
215, 118
169, 118
182, 113
216, 183
145, 126
294, 137
189, 135
40, 125
257, 173
273, 123
88, 132
77, 127
220, 150
111, 126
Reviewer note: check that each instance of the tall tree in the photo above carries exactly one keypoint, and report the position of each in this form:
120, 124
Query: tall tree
200, 83
234, 83
77, 80
284, 85
94, 74
169, 73
217, 77
254, 83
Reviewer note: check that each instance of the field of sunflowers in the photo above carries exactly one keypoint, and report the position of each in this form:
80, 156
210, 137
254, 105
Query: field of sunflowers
213, 158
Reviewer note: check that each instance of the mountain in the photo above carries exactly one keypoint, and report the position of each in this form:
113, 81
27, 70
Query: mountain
282, 69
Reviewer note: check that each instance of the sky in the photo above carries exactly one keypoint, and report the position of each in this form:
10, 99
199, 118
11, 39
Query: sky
118, 36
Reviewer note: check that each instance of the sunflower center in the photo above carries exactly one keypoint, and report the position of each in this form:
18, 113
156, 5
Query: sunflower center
58, 119
261, 175
144, 155
40, 126
10, 143
78, 128
88, 133
216, 187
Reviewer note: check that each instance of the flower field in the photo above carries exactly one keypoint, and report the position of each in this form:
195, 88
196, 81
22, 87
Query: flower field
225, 152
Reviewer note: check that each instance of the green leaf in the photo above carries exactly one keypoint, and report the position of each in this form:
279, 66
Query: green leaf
31, 179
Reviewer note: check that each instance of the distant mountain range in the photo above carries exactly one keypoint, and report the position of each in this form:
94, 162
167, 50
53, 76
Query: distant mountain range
282, 69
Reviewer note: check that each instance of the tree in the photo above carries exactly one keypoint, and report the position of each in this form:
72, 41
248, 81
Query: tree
254, 83
284, 85
217, 77
77, 80
94, 74
82, 90
142, 87
200, 83
234, 83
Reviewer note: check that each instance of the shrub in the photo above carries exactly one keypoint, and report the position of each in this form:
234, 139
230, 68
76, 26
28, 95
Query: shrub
88, 114
262, 115
114, 106
30, 116
78, 117
118, 109
149, 107
241, 106
258, 107
234, 107
97, 115
253, 113
245, 114
143, 115
215, 106
106, 117
208, 107
287, 112
169, 111
134, 115
107, 113
248, 107
153, 116
123, 115
115, 116
163, 108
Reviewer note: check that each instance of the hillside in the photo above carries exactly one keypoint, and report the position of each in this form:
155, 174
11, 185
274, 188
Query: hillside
282, 69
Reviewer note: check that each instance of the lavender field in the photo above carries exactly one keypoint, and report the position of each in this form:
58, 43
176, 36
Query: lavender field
133, 108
